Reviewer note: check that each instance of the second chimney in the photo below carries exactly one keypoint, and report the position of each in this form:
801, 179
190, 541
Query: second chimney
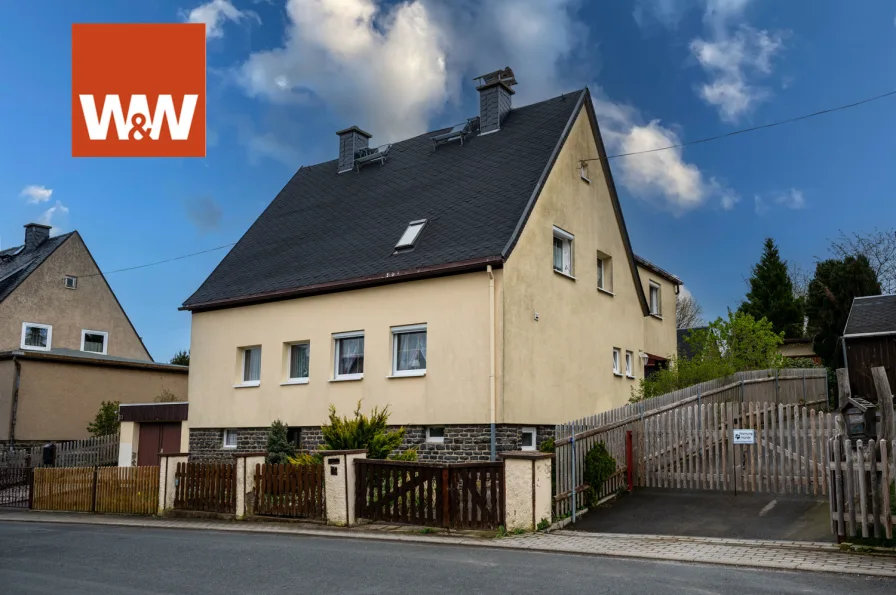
494, 99
35, 235
351, 140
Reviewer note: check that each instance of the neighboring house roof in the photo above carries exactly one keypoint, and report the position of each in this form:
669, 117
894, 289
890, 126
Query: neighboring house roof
643, 262
326, 231
85, 357
16, 264
872, 314
685, 349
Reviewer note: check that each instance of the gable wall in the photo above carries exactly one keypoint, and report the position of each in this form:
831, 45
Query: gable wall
560, 367
42, 298
660, 336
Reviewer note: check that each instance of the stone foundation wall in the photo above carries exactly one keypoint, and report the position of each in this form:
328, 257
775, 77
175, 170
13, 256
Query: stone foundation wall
462, 443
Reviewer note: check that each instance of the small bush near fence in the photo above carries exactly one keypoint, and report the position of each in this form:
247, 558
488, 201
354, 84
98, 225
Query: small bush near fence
599, 466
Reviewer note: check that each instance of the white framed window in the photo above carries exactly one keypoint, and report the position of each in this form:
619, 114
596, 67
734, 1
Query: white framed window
435, 434
409, 350
604, 272
35, 336
348, 356
94, 341
229, 439
655, 299
250, 369
563, 251
410, 235
70, 282
629, 364
299, 363
616, 358
527, 439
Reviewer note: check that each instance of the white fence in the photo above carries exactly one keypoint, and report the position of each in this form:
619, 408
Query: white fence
76, 453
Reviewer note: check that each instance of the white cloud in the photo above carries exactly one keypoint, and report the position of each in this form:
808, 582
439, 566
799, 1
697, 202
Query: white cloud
36, 194
215, 13
391, 68
664, 175
791, 198
52, 217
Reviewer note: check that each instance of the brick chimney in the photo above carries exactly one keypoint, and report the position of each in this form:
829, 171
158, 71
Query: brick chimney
494, 99
351, 140
35, 235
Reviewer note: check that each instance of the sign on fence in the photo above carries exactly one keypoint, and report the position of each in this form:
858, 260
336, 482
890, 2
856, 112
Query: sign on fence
745, 436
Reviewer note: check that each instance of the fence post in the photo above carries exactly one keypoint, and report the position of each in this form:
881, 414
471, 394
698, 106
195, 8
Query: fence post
776, 386
245, 480
93, 495
446, 498
167, 478
572, 449
527, 477
339, 485
30, 488
629, 460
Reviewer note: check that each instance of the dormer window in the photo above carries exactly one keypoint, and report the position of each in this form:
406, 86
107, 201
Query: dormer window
410, 235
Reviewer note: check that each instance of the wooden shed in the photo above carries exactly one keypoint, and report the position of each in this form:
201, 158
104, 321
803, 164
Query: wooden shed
869, 340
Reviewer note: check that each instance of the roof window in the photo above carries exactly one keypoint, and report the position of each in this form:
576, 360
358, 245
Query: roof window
410, 235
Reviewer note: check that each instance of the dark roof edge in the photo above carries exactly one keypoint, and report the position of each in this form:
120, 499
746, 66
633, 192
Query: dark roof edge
114, 297
617, 207
658, 270
536, 192
86, 361
348, 284
22, 280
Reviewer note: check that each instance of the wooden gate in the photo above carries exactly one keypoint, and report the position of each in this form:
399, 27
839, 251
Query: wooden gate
207, 487
862, 488
127, 490
70, 489
290, 491
459, 495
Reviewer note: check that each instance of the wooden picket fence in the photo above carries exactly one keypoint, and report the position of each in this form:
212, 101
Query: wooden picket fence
295, 491
692, 448
90, 452
70, 489
127, 490
207, 487
862, 476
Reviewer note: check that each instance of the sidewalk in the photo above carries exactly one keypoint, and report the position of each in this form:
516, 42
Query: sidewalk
769, 555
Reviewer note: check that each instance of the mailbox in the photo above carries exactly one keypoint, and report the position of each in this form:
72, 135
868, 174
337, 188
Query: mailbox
49, 455
860, 417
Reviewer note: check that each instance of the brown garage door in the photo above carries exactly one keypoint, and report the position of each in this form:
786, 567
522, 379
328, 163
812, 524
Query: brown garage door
156, 438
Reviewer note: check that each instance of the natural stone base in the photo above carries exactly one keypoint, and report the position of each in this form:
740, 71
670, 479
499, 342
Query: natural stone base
462, 443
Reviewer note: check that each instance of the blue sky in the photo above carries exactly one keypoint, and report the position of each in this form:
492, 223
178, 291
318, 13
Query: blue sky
284, 75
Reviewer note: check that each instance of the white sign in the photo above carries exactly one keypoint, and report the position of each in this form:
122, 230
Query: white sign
745, 436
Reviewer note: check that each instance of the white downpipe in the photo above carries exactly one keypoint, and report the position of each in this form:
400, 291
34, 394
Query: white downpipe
491, 357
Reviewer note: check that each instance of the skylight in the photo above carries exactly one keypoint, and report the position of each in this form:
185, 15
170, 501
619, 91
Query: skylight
410, 234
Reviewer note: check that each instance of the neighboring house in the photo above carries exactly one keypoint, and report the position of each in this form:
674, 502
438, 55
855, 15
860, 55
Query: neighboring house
799, 348
869, 341
66, 344
470, 276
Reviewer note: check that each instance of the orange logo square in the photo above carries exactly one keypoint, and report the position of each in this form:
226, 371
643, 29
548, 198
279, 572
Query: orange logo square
138, 90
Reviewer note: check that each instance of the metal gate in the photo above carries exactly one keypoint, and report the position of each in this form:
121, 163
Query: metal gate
15, 486
451, 495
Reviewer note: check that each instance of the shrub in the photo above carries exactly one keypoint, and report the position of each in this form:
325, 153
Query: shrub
306, 458
599, 466
547, 445
362, 431
408, 455
280, 450
106, 421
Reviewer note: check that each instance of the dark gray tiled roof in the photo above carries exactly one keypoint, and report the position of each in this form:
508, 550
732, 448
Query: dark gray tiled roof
875, 314
15, 265
658, 270
325, 227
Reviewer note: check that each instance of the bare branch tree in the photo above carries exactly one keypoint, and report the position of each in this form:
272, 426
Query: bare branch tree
688, 313
878, 246
800, 279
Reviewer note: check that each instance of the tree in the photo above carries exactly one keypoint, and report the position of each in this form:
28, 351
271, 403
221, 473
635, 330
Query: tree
181, 358
771, 294
166, 396
830, 296
106, 421
362, 431
688, 313
878, 246
280, 449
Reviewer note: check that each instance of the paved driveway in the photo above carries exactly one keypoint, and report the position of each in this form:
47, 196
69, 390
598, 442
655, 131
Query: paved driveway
651, 511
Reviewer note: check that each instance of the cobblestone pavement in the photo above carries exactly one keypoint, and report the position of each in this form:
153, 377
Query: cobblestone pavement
776, 555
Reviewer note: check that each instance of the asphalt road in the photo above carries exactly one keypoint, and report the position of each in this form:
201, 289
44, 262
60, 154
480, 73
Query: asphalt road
96, 560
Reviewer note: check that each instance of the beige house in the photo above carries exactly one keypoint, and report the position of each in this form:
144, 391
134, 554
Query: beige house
478, 280
66, 343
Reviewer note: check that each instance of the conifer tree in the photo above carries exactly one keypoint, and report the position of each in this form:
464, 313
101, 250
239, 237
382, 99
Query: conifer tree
771, 294
279, 447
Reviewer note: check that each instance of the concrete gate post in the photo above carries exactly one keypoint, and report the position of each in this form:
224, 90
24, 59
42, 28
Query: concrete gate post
245, 481
527, 489
167, 471
339, 485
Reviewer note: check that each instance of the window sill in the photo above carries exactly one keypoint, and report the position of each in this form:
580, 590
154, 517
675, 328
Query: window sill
629, 376
294, 381
350, 378
250, 384
414, 374
435, 441
30, 348
225, 447
562, 274
527, 448
602, 290
657, 316
618, 375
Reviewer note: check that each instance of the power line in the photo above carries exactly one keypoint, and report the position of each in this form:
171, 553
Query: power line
143, 266
744, 130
